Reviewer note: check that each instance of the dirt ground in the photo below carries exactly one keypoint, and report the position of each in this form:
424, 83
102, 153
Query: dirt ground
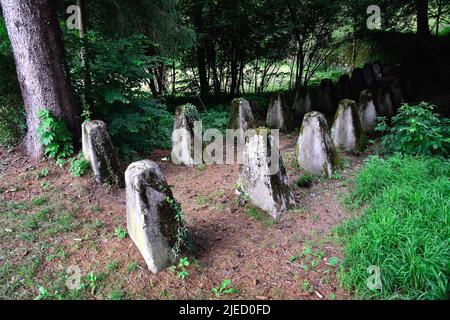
51, 221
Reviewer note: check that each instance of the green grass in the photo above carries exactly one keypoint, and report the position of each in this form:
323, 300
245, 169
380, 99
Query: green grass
305, 181
32, 228
257, 214
405, 229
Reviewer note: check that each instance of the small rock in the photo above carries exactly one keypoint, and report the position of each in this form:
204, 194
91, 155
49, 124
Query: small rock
318, 294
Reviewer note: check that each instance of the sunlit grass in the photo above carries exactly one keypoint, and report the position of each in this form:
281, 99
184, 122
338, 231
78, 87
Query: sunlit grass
405, 229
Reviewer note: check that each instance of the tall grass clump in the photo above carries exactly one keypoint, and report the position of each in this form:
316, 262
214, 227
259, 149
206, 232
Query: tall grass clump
405, 229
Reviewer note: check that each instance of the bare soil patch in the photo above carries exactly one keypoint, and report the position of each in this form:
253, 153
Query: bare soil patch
50, 222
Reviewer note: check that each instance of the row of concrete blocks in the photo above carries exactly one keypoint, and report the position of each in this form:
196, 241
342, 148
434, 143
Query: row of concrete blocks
388, 93
153, 218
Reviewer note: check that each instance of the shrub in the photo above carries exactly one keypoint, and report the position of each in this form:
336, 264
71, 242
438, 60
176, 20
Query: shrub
404, 230
54, 135
119, 69
305, 181
12, 121
12, 114
78, 166
416, 130
214, 119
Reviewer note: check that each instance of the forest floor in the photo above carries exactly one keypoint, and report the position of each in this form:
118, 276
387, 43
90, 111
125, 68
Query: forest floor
50, 221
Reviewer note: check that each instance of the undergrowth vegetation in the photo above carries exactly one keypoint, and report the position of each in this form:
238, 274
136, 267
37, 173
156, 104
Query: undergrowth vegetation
136, 121
55, 136
404, 229
12, 113
416, 130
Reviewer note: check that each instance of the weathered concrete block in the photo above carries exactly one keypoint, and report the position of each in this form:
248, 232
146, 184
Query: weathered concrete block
357, 82
263, 176
369, 75
377, 70
99, 150
343, 88
302, 103
279, 114
367, 112
346, 131
397, 95
183, 134
315, 151
407, 88
151, 220
241, 116
326, 96
275, 113
384, 102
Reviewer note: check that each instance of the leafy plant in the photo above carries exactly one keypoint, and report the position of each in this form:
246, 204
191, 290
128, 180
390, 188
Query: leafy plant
39, 201
334, 261
12, 114
78, 166
136, 121
116, 295
215, 119
181, 271
306, 285
92, 282
416, 130
45, 186
132, 267
243, 197
225, 288
45, 172
305, 181
190, 111
120, 232
182, 236
336, 176
201, 200
54, 135
43, 294
112, 266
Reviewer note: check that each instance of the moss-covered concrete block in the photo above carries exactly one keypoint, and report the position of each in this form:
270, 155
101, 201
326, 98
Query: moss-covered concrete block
99, 151
151, 220
183, 135
241, 116
315, 151
346, 132
367, 112
263, 177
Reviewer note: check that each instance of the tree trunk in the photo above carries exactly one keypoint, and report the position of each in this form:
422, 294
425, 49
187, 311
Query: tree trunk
438, 17
234, 70
197, 17
174, 78
256, 75
213, 65
87, 96
423, 27
35, 35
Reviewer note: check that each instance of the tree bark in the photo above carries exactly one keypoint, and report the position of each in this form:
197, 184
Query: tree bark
234, 69
438, 17
423, 27
197, 17
35, 35
87, 95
